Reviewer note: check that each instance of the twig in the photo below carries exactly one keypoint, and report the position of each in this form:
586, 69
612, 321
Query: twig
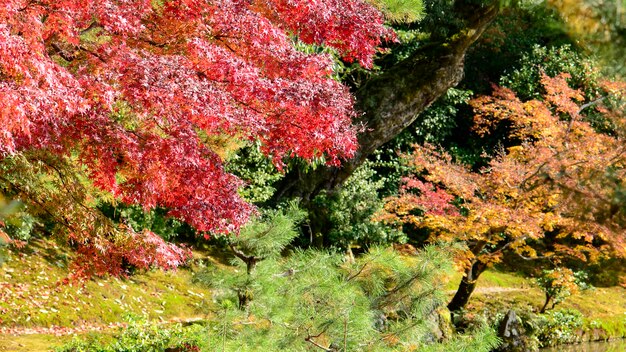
62, 53
310, 340
536, 257
591, 103
358, 272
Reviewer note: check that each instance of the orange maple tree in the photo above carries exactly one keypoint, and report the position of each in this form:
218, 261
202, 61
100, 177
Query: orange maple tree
556, 192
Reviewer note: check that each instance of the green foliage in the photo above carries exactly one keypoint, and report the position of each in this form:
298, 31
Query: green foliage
513, 33
20, 225
15, 221
143, 336
155, 220
525, 80
607, 272
598, 26
6, 210
380, 302
351, 209
560, 327
437, 122
401, 11
435, 22
439, 20
20, 178
257, 172
268, 234
83, 344
481, 340
306, 295
7, 207
263, 238
60, 198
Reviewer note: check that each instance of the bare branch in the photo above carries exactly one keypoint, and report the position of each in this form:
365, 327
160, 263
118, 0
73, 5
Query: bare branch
62, 53
310, 340
591, 103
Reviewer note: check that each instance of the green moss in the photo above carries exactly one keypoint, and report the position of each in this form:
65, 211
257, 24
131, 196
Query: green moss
492, 278
38, 342
30, 282
604, 309
501, 279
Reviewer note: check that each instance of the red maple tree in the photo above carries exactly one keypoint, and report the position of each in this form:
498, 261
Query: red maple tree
131, 90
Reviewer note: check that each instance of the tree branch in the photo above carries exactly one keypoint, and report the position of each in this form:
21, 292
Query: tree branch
591, 103
310, 340
61, 52
391, 101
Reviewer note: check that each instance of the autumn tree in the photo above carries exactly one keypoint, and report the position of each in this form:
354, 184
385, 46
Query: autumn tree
123, 101
554, 192
391, 100
131, 97
558, 284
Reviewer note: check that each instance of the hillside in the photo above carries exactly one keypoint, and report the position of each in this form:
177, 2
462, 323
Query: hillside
38, 311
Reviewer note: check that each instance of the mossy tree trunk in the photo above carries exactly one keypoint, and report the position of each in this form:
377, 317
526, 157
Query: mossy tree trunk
391, 101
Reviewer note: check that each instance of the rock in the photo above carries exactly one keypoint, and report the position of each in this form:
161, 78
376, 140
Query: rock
511, 332
440, 325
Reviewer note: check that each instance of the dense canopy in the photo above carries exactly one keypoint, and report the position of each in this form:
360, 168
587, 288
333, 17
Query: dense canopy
134, 89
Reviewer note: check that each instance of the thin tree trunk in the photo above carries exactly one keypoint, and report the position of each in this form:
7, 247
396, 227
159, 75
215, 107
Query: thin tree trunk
468, 283
545, 305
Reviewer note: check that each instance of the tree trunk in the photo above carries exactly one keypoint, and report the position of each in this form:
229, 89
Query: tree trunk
391, 101
467, 286
251, 264
244, 296
545, 305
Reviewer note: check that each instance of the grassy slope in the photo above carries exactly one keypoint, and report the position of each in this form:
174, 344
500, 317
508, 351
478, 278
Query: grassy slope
31, 298
10, 343
498, 291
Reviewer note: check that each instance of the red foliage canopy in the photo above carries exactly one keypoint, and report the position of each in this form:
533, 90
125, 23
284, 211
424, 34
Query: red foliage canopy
133, 87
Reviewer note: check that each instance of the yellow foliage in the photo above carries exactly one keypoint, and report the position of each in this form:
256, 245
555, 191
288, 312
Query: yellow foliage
554, 182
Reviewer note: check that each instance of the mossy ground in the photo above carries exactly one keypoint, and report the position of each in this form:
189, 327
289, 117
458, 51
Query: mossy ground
499, 291
38, 342
31, 296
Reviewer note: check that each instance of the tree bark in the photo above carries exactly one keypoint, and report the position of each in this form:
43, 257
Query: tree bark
467, 286
391, 101
468, 283
545, 305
